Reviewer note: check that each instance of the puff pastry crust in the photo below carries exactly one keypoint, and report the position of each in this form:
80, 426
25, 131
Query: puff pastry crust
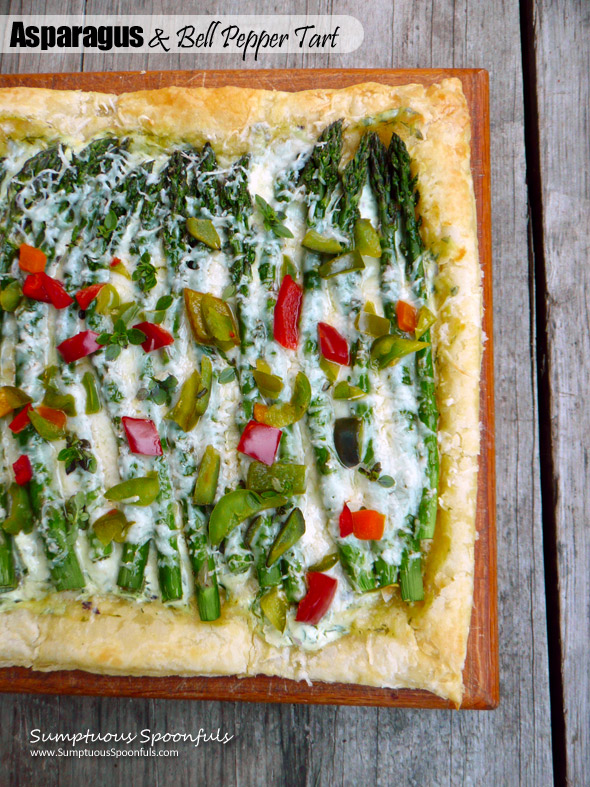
391, 644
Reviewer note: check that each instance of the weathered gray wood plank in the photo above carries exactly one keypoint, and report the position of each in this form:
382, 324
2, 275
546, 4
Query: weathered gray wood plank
563, 65
311, 745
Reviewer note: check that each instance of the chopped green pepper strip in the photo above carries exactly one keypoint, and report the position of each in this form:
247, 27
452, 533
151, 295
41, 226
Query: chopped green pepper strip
11, 296
107, 300
321, 243
204, 231
386, 350
208, 477
46, 429
252, 531
194, 398
211, 319
140, 491
287, 413
426, 320
11, 398
344, 390
274, 607
21, 513
269, 385
372, 324
92, 397
112, 526
330, 369
58, 401
292, 530
347, 440
237, 506
366, 238
346, 263
281, 477
326, 563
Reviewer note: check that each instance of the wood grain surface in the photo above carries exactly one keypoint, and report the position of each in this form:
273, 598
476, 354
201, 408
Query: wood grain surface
312, 745
481, 676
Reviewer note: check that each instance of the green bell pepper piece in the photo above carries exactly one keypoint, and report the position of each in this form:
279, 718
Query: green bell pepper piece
372, 324
287, 413
92, 397
274, 606
21, 513
112, 526
330, 369
321, 243
237, 506
426, 320
194, 397
58, 401
386, 350
204, 231
140, 491
326, 563
290, 533
346, 263
107, 300
269, 385
281, 477
366, 238
11, 296
46, 429
344, 390
207, 478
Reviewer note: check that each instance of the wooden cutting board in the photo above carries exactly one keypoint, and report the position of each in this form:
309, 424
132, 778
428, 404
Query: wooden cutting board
481, 674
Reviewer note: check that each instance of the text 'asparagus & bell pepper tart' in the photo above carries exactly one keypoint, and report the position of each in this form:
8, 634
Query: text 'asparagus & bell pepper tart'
239, 369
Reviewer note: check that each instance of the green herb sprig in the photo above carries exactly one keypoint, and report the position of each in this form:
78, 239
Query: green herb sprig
272, 220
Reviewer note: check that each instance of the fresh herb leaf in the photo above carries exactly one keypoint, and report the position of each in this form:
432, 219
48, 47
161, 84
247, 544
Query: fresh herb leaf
164, 303
122, 336
77, 453
160, 391
229, 292
272, 220
227, 375
386, 481
145, 273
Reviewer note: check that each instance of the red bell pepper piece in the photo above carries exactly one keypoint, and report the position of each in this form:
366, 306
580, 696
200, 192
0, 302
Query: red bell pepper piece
287, 313
116, 261
20, 421
407, 316
30, 259
321, 590
34, 287
79, 346
368, 525
23, 472
142, 436
156, 337
41, 287
260, 442
333, 346
86, 295
345, 522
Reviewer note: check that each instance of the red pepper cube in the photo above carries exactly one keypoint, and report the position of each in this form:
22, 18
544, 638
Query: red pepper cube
156, 337
287, 313
142, 436
333, 346
260, 442
345, 522
20, 421
23, 472
34, 288
407, 316
79, 346
86, 295
321, 590
368, 525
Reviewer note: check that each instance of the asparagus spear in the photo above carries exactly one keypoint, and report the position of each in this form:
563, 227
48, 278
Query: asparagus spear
185, 180
320, 178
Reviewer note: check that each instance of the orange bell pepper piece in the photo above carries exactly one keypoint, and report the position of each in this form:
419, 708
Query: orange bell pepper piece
57, 417
31, 259
407, 316
368, 525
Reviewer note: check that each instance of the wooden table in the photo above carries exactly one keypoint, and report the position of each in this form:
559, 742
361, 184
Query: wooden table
541, 205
